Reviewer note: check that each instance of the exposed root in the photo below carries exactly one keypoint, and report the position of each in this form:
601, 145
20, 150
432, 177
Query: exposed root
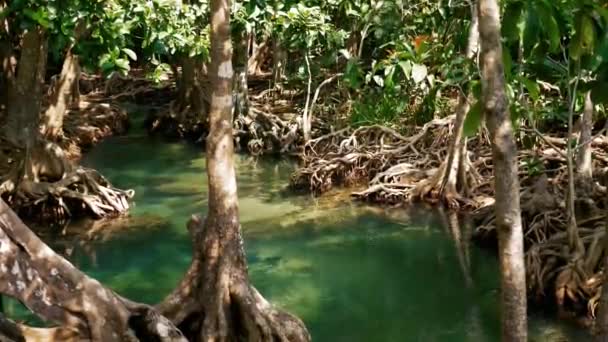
91, 122
42, 184
266, 133
398, 168
570, 276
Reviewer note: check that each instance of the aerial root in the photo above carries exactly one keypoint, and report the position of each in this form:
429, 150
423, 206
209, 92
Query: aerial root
572, 278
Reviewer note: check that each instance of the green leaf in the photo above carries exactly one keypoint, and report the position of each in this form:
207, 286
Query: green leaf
507, 61
388, 76
531, 29
406, 67
550, 25
419, 72
123, 64
473, 120
130, 53
588, 32
512, 19
532, 87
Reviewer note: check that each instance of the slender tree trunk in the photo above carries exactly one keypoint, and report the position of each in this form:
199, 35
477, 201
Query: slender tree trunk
306, 119
445, 183
352, 43
258, 56
456, 148
584, 167
7, 71
65, 94
506, 182
191, 94
24, 96
215, 301
601, 320
279, 58
241, 59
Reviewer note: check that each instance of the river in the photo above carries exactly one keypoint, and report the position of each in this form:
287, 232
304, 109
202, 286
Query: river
352, 272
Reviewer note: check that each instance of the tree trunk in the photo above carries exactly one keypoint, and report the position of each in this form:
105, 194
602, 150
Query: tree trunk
24, 96
241, 59
506, 182
65, 94
7, 72
456, 148
601, 320
191, 94
258, 56
56, 291
444, 185
306, 119
215, 301
584, 167
279, 59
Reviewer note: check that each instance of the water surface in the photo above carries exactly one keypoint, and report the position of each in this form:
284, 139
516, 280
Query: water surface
351, 272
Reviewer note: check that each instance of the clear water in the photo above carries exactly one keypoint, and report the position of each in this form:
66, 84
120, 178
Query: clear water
351, 272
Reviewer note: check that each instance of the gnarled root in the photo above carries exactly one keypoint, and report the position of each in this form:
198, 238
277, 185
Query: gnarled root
571, 277
266, 133
44, 185
215, 302
347, 157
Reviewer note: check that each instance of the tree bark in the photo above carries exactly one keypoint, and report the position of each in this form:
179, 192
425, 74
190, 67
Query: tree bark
7, 71
584, 167
65, 94
24, 96
191, 93
215, 301
601, 320
279, 58
506, 182
306, 119
241, 63
258, 56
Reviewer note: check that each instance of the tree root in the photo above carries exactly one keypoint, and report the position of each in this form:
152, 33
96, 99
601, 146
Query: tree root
45, 186
553, 269
219, 304
393, 165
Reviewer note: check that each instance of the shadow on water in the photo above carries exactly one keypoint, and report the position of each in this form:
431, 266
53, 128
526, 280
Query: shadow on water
352, 272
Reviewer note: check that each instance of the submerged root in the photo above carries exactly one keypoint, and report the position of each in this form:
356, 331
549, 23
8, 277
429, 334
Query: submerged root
215, 301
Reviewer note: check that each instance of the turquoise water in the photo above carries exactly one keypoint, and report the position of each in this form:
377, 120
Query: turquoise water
351, 272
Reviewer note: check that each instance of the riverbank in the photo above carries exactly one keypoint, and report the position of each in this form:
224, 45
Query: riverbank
405, 167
